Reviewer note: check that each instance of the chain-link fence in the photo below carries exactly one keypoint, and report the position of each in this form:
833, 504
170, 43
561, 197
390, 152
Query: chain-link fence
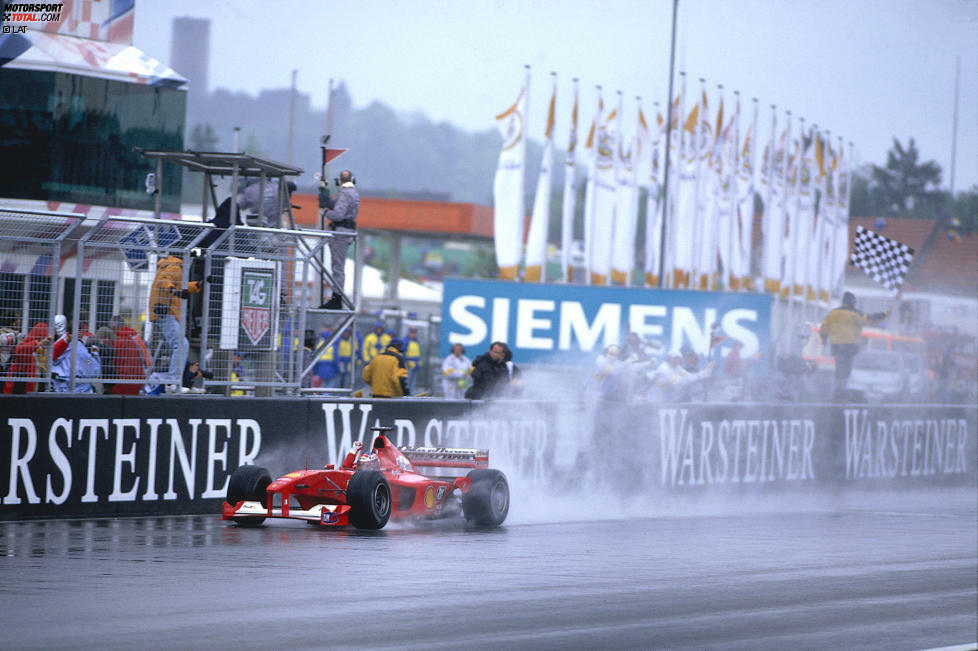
33, 247
130, 314
258, 287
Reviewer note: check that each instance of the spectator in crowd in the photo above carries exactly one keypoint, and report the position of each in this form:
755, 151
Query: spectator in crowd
717, 338
130, 357
735, 369
238, 372
455, 370
308, 355
671, 382
165, 296
106, 346
412, 356
843, 326
609, 380
387, 373
28, 360
944, 375
375, 343
87, 362
690, 359
634, 349
342, 217
327, 369
494, 374
346, 350
9, 337
193, 378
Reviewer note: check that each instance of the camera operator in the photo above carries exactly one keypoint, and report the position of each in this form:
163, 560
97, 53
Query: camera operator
342, 216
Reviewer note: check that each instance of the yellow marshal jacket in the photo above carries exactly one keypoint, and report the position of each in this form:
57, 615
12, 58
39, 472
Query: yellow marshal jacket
844, 325
387, 374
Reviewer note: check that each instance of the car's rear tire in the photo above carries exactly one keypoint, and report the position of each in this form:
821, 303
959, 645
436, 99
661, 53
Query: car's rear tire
369, 496
249, 484
486, 503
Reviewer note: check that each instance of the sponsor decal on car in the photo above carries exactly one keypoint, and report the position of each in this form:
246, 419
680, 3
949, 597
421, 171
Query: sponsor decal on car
429, 497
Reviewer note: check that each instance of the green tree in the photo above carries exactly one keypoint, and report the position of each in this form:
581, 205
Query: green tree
904, 183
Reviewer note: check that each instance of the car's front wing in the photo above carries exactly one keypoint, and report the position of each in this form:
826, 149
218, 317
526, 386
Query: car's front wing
324, 514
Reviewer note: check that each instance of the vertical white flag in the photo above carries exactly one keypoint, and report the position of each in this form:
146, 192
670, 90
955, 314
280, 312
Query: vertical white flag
653, 206
603, 216
745, 203
536, 245
508, 186
591, 145
840, 252
704, 217
773, 173
789, 207
570, 199
803, 219
819, 255
828, 206
720, 204
684, 222
626, 208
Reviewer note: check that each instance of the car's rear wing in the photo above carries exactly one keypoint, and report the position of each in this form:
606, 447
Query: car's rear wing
447, 457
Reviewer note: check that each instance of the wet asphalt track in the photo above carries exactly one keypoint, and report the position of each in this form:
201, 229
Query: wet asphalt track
900, 575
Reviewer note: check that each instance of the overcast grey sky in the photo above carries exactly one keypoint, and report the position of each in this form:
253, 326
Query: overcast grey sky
867, 70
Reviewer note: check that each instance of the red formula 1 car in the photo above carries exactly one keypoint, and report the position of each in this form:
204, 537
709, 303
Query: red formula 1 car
368, 489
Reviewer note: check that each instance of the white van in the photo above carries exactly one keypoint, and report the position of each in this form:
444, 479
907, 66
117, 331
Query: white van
888, 376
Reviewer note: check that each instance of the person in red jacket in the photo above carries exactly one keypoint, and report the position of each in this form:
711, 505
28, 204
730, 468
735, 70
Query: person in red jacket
130, 357
23, 362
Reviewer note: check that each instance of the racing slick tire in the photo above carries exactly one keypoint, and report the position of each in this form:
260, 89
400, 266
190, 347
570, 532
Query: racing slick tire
248, 483
486, 503
369, 496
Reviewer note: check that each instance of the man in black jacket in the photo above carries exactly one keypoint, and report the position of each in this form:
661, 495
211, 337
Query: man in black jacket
494, 374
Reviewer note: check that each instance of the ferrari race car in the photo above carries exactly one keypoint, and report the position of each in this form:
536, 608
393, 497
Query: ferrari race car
369, 489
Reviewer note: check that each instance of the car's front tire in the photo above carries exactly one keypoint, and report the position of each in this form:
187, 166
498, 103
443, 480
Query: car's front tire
249, 484
486, 503
369, 496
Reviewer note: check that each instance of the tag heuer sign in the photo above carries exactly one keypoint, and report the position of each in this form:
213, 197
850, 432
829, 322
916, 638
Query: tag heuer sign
256, 306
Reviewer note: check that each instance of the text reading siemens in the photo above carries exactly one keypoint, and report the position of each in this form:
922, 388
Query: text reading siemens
559, 323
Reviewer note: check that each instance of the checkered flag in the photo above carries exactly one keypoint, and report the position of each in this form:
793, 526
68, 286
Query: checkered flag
886, 261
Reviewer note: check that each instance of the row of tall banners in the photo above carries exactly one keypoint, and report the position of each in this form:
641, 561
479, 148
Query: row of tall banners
707, 216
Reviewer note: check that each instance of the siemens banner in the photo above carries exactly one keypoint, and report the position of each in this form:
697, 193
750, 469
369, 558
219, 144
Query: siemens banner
560, 323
